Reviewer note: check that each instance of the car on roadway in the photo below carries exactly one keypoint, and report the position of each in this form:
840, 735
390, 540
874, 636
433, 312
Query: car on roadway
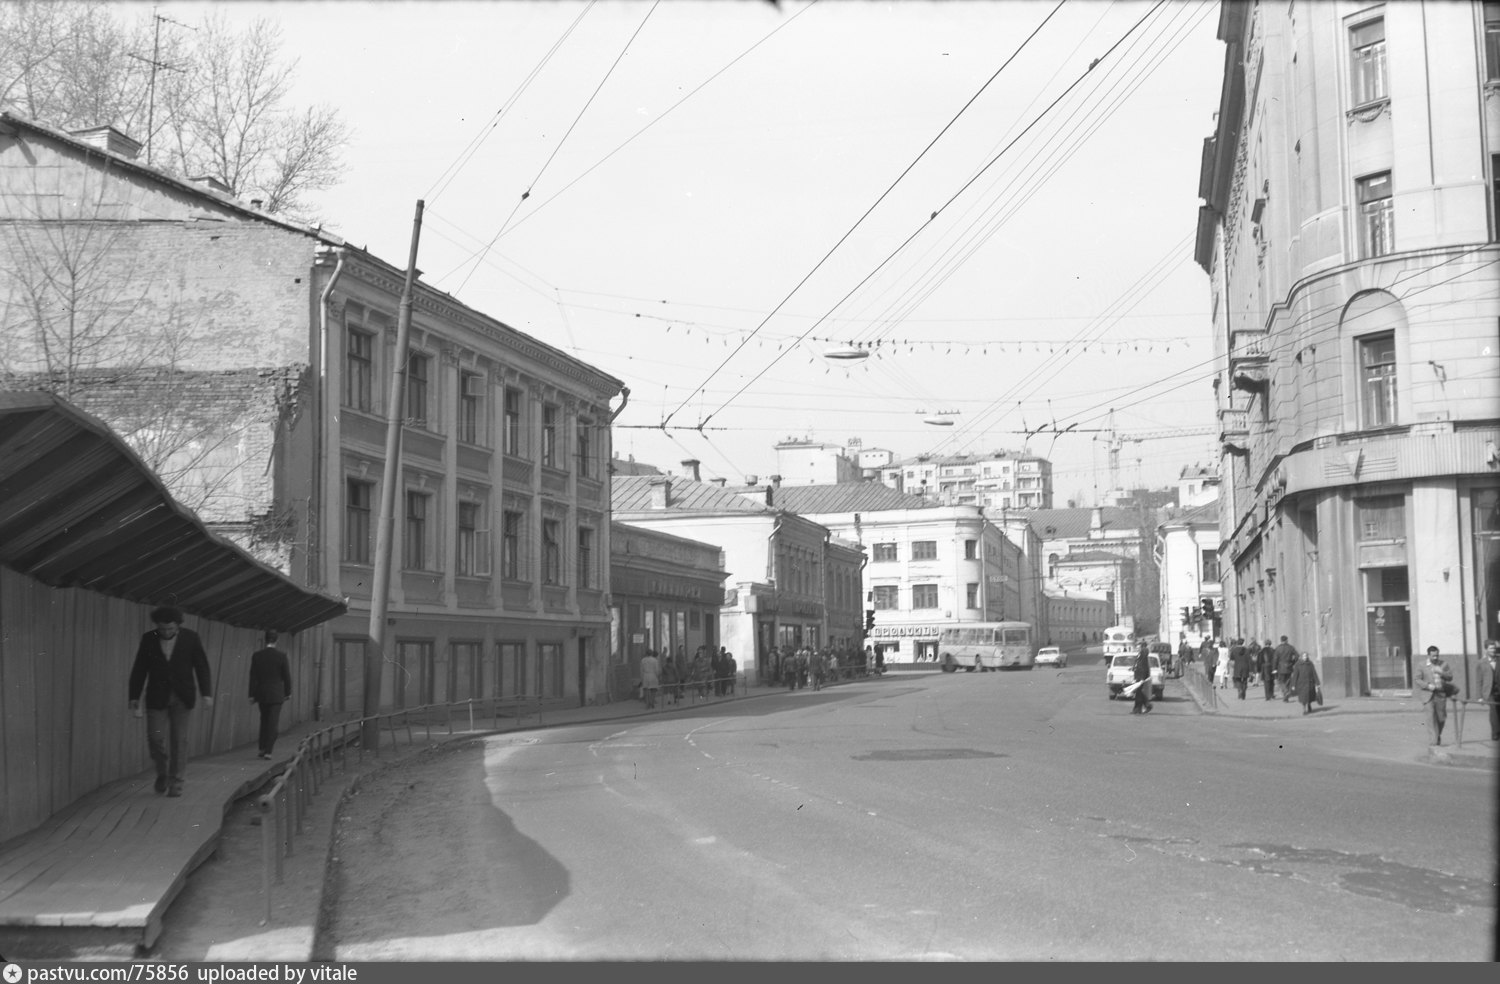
1051, 656
1121, 674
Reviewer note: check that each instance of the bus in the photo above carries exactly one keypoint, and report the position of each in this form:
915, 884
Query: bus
1119, 640
985, 646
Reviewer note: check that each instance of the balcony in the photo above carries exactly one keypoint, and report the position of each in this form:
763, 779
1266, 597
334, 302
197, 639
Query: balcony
1234, 430
1249, 359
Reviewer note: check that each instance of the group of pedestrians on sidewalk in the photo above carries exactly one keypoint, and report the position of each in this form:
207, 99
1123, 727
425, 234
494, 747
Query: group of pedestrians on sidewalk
669, 677
1242, 663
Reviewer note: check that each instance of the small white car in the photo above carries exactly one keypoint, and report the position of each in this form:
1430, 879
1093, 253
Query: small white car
1051, 656
1121, 674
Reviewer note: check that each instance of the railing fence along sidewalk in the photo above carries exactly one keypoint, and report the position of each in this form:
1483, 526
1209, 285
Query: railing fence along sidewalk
1458, 717
285, 806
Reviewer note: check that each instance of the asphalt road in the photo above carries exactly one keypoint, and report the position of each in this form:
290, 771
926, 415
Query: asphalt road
991, 816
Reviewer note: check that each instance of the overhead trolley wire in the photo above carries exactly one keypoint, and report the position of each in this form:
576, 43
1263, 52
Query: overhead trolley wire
883, 195
1092, 65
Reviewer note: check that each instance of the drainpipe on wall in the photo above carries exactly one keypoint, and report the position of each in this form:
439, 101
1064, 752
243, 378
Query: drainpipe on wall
315, 555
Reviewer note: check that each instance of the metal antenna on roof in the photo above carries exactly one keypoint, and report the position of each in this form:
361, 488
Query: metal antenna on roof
155, 62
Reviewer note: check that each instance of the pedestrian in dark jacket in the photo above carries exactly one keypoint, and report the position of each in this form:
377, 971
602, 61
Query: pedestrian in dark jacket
270, 686
1142, 672
1286, 660
1209, 654
168, 661
1239, 661
1304, 682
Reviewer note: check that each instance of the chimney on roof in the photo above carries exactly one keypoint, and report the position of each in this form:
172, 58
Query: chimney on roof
110, 139
661, 492
690, 465
256, 202
720, 482
776, 481
771, 495
1096, 520
751, 479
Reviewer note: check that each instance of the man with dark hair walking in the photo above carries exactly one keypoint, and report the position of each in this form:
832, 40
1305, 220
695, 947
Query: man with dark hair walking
168, 661
1286, 660
270, 686
1435, 680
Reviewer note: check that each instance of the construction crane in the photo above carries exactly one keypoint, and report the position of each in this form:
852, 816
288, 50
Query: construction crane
1118, 440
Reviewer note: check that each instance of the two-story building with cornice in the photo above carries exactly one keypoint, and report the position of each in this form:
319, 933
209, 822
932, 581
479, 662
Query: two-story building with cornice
501, 520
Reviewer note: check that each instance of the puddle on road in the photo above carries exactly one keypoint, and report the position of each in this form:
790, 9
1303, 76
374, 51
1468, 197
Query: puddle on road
926, 755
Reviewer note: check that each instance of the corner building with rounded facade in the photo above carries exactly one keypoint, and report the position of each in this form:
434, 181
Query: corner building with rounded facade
1349, 233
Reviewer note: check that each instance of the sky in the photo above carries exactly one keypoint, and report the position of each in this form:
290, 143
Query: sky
705, 199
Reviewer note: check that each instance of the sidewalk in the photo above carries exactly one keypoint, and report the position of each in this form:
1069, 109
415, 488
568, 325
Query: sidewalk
1476, 749
98, 880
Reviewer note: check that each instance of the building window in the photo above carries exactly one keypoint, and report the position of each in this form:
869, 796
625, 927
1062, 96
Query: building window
1377, 224
1495, 194
414, 546
359, 369
1210, 565
971, 549
887, 597
1367, 44
924, 596
417, 369
473, 547
924, 550
551, 552
1377, 371
971, 594
585, 557
884, 551
512, 421
510, 545
549, 436
357, 521
1381, 517
585, 449
470, 407
1492, 42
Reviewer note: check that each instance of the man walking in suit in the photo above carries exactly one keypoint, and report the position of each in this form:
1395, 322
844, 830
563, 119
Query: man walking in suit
1488, 688
1434, 679
1286, 661
167, 661
270, 686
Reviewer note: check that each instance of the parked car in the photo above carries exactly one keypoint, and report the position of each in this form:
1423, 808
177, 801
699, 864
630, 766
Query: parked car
1121, 674
1051, 656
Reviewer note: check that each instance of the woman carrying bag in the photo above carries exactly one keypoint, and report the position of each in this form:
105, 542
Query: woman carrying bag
1304, 683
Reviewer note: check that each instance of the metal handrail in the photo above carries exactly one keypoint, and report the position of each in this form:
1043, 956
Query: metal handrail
283, 808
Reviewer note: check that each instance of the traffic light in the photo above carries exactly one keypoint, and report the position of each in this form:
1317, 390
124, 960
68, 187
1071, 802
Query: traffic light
1208, 608
869, 619
1187, 614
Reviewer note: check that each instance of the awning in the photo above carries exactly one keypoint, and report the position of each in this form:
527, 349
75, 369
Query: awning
79, 509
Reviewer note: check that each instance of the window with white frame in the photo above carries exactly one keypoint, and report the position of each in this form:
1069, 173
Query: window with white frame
359, 369
1377, 369
887, 597
924, 596
472, 549
971, 594
414, 555
470, 407
512, 421
585, 557
551, 552
1367, 68
1377, 232
924, 550
883, 552
549, 436
585, 448
418, 370
511, 523
357, 496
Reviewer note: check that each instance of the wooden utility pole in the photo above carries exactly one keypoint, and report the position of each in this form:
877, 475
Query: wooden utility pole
391, 479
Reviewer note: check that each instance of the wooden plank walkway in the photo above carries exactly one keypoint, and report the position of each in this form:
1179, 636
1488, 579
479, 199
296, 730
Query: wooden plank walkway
100, 874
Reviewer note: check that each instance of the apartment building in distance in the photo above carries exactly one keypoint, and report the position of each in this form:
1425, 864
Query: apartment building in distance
998, 481
1350, 231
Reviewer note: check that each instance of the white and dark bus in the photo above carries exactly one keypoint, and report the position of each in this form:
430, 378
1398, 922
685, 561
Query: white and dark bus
986, 646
